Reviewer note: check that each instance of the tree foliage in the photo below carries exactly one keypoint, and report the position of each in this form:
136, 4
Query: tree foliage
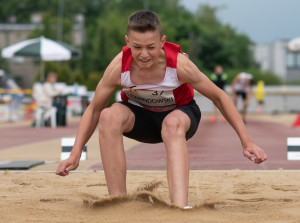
201, 35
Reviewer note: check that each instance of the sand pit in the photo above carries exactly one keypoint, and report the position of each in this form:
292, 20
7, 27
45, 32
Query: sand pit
217, 196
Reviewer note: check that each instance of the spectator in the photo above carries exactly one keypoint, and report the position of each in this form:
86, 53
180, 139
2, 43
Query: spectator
219, 77
259, 95
45, 101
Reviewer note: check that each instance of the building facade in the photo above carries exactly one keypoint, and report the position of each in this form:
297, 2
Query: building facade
277, 58
22, 69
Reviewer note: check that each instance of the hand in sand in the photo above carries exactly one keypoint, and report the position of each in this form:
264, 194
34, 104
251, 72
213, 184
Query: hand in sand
66, 166
255, 153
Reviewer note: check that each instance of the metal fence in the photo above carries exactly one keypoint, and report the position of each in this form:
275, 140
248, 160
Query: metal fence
12, 105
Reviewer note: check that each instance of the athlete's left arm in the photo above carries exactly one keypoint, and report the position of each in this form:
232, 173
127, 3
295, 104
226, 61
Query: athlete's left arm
190, 74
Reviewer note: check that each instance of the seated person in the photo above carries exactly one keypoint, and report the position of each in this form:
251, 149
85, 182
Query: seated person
45, 101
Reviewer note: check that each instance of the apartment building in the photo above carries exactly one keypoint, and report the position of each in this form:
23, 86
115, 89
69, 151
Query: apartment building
277, 58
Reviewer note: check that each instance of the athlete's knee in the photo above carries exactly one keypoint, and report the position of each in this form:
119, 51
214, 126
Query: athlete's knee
172, 126
105, 116
115, 118
109, 120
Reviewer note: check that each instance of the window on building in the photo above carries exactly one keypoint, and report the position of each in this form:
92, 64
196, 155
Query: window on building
293, 59
298, 60
290, 59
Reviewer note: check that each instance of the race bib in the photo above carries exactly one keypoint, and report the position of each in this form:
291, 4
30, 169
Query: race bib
152, 100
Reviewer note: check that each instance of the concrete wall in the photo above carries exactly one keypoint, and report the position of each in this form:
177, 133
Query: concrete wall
279, 49
13, 33
272, 57
293, 74
278, 99
262, 55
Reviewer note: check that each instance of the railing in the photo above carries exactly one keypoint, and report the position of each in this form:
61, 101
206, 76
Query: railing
18, 104
278, 99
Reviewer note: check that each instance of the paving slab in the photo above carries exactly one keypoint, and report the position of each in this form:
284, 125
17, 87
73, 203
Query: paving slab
19, 165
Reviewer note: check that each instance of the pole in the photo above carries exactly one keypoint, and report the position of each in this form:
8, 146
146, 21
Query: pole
42, 72
60, 20
146, 4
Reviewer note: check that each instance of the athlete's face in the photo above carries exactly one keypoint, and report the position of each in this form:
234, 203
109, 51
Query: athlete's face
145, 47
218, 70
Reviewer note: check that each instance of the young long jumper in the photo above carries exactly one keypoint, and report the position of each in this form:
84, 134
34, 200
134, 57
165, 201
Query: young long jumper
158, 106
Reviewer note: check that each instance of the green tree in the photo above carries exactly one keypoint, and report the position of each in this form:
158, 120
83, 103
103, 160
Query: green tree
201, 35
217, 43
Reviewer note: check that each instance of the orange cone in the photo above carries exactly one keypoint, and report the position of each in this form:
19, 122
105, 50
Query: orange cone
297, 121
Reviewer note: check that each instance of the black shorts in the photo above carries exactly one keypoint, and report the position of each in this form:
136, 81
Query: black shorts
219, 85
261, 102
243, 94
148, 124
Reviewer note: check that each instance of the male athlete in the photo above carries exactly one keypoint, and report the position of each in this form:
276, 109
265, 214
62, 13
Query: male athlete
158, 106
242, 86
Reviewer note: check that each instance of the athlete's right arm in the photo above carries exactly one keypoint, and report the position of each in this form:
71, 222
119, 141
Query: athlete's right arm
235, 80
105, 89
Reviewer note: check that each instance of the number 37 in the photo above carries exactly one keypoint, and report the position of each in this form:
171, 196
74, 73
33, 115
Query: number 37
157, 92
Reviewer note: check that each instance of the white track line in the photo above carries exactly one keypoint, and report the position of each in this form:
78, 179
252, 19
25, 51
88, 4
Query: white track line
148, 171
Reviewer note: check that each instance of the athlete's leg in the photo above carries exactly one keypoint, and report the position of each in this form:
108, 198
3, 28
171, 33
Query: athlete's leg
215, 114
244, 111
215, 111
235, 98
259, 107
174, 128
245, 106
113, 122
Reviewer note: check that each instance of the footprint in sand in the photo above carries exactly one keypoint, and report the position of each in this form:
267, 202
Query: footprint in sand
285, 187
21, 182
246, 188
261, 199
52, 200
96, 185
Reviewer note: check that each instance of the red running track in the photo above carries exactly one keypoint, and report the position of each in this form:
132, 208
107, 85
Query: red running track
22, 135
216, 146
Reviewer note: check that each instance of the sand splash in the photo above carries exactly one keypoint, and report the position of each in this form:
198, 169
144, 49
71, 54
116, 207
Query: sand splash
144, 193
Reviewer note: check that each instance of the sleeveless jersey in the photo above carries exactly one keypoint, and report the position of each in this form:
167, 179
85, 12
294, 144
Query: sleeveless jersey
161, 97
242, 84
219, 79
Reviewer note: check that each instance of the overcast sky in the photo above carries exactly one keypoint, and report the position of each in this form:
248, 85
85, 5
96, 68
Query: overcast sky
262, 20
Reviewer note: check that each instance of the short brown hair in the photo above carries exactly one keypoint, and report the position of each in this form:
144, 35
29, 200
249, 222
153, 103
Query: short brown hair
143, 21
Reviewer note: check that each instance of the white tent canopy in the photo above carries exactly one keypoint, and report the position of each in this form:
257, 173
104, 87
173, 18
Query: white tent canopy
43, 49
294, 44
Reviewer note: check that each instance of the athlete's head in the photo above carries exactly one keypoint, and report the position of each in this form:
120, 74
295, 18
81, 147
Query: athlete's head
144, 37
251, 81
218, 69
144, 21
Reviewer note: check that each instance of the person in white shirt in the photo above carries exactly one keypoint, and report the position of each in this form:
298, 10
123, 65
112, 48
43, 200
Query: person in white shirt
242, 86
45, 100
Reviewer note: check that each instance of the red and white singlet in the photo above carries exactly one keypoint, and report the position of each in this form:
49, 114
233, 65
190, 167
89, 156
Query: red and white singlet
161, 97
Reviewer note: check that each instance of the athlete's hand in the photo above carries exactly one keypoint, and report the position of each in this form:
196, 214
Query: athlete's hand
67, 165
255, 153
